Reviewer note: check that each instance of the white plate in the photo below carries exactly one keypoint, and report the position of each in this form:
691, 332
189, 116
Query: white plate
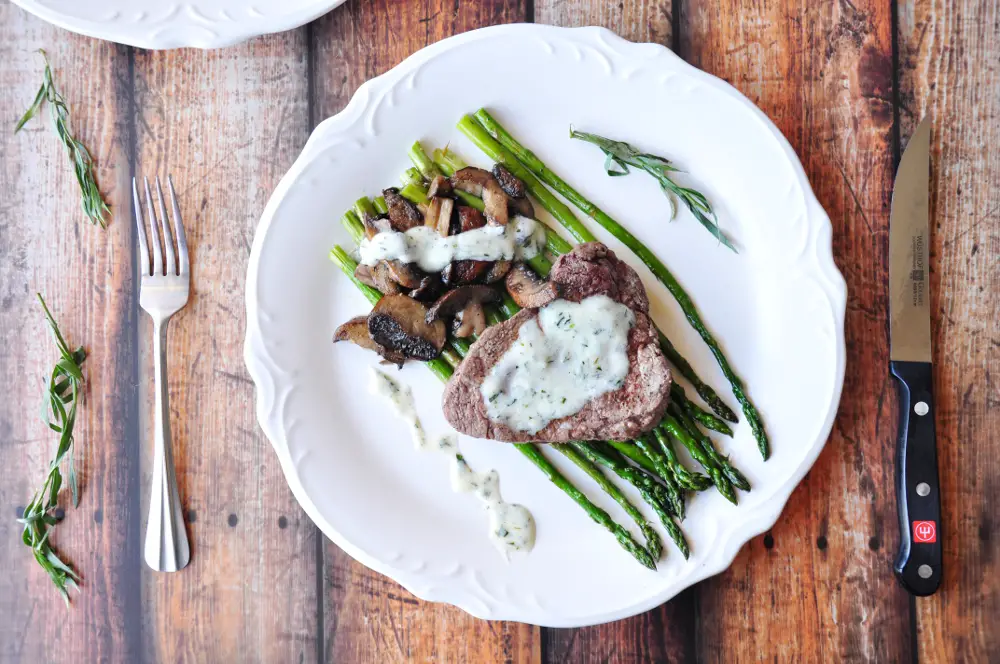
778, 309
159, 24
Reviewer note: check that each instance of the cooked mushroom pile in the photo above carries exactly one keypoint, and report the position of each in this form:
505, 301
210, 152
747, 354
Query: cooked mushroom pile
418, 309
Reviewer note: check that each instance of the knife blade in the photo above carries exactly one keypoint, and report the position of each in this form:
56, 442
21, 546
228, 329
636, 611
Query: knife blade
918, 563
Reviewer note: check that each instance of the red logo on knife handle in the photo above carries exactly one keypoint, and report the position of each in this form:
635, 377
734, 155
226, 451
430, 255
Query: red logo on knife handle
924, 532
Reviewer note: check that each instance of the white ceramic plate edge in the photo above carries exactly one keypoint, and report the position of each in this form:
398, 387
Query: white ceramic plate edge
263, 372
183, 25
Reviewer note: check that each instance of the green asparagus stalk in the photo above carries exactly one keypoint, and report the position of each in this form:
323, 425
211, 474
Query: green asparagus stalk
703, 389
632, 452
663, 471
364, 208
696, 413
653, 543
380, 205
529, 163
422, 162
671, 426
412, 176
729, 470
647, 488
448, 161
596, 513
685, 478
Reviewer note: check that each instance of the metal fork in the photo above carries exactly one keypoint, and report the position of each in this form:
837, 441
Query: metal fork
163, 292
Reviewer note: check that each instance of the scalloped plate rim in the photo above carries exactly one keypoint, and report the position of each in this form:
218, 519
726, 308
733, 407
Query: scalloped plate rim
736, 536
120, 33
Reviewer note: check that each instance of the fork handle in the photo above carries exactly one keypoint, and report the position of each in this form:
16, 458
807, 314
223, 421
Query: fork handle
167, 548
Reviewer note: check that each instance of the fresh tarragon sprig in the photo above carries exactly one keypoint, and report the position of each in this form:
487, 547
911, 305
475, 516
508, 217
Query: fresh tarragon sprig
620, 156
59, 413
93, 203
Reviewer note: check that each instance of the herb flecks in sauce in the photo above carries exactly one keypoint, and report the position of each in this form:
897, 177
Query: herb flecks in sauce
512, 528
521, 239
570, 354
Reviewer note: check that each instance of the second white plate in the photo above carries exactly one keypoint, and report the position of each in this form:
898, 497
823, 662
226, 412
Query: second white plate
157, 24
777, 308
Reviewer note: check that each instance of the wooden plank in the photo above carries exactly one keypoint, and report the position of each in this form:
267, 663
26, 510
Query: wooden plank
368, 617
948, 54
46, 245
668, 632
227, 124
819, 587
636, 20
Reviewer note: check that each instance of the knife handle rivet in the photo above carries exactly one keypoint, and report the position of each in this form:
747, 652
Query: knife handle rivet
923, 489
921, 408
925, 571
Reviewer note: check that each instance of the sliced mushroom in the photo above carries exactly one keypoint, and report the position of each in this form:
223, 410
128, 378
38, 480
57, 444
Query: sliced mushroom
356, 331
458, 299
363, 273
478, 182
522, 207
397, 322
508, 181
384, 282
462, 273
529, 291
439, 213
405, 274
473, 321
469, 218
429, 289
459, 273
403, 215
440, 186
376, 225
497, 271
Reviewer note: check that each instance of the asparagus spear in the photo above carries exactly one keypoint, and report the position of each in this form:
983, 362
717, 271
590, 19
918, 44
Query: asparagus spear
647, 489
596, 513
448, 161
422, 162
731, 472
510, 150
671, 426
703, 389
696, 413
364, 208
685, 478
653, 543
443, 370
412, 176
632, 452
664, 472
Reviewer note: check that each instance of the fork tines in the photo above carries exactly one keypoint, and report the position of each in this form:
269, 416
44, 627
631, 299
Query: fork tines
175, 265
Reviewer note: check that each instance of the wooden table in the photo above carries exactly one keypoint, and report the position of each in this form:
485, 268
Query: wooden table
845, 81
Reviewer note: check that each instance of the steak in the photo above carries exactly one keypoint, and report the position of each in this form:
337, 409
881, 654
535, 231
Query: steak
635, 408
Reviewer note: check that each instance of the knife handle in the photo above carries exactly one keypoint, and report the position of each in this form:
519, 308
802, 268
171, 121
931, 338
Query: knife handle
918, 496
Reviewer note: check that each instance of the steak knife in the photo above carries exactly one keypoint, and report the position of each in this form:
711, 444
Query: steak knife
919, 562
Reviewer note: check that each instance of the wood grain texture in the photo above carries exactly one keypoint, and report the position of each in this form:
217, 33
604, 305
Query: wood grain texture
636, 20
47, 245
669, 632
949, 54
227, 124
823, 589
368, 617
